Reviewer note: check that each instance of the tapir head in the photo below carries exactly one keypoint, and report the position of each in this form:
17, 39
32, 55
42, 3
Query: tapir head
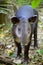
23, 19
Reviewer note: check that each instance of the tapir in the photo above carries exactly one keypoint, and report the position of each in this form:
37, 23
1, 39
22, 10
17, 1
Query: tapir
25, 24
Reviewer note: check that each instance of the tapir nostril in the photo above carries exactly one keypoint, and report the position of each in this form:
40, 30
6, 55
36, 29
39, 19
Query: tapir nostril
19, 29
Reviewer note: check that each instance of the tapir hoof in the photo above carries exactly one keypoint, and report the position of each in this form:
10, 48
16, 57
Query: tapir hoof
26, 61
36, 47
18, 60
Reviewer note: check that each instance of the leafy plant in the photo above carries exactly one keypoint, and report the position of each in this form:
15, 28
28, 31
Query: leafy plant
35, 3
5, 1
40, 52
23, 2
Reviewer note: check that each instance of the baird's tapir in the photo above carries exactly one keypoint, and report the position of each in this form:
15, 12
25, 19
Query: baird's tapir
24, 25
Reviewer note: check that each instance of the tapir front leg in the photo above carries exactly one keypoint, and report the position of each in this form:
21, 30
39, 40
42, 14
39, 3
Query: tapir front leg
19, 49
26, 51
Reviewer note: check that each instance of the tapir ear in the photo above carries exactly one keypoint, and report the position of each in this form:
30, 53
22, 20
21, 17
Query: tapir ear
33, 19
15, 20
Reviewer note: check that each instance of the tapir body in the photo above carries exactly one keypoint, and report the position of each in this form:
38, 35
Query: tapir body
24, 25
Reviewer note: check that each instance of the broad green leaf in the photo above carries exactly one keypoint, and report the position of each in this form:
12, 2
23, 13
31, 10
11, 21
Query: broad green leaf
35, 3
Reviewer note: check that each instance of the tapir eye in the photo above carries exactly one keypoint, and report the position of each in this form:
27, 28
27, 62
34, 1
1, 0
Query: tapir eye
32, 19
15, 20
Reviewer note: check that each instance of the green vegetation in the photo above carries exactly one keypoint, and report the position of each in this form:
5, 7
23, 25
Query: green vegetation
35, 3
